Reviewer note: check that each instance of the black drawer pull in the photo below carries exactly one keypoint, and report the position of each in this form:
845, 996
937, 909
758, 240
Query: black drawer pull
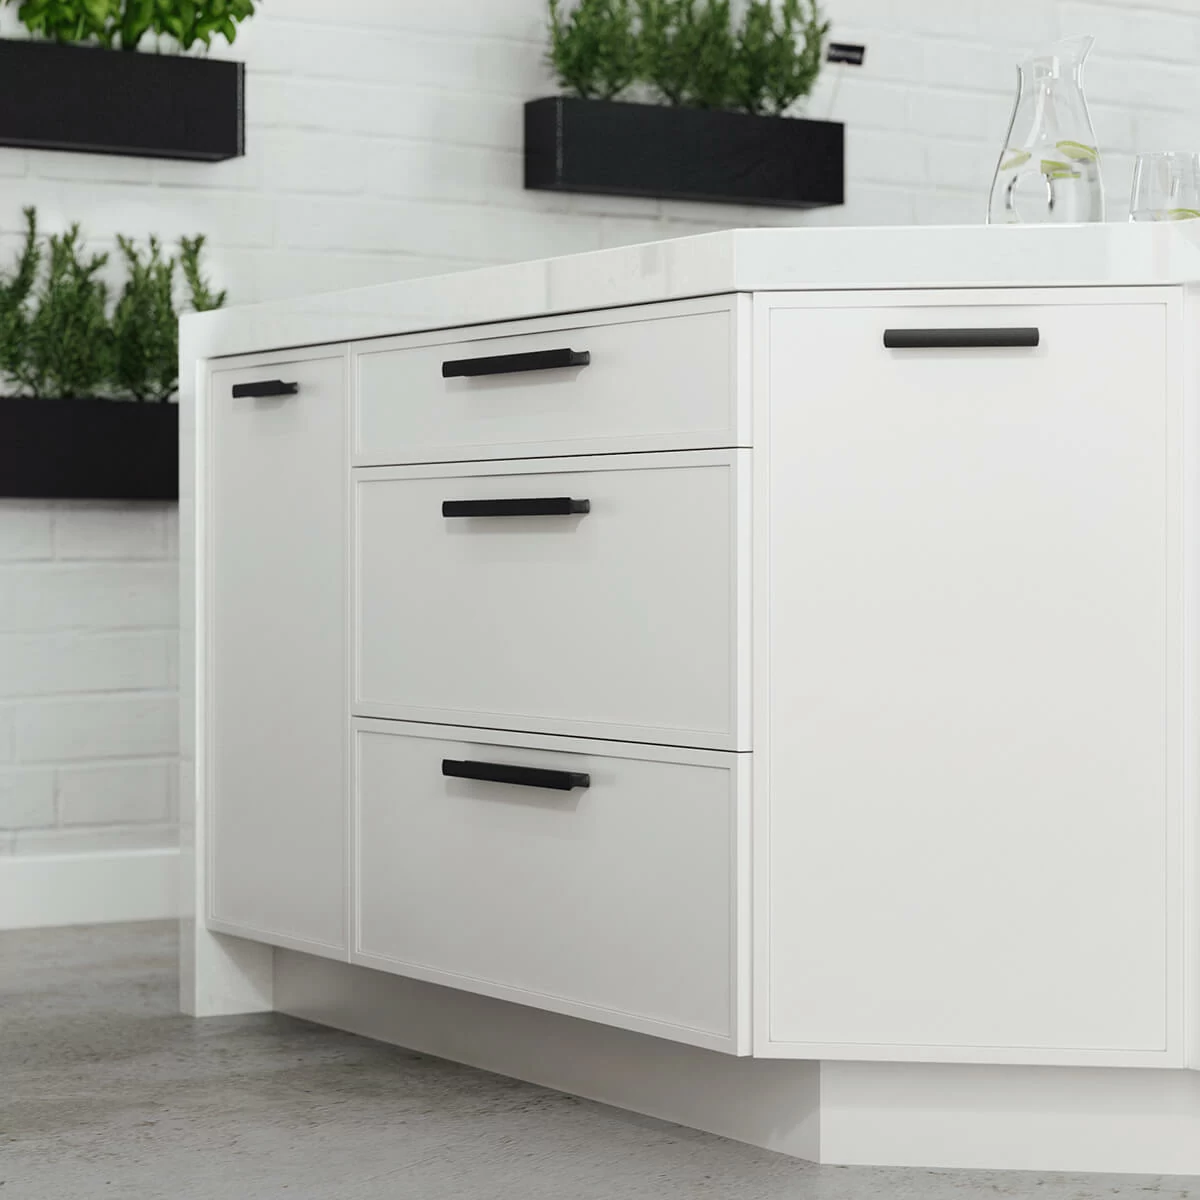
556, 781
510, 364
264, 387
958, 339
547, 506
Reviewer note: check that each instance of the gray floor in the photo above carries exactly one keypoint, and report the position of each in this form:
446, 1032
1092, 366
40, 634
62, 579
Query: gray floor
105, 1091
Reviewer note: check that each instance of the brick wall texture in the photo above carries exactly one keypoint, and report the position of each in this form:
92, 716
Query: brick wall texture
88, 676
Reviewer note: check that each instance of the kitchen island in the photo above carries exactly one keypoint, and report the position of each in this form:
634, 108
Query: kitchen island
746, 679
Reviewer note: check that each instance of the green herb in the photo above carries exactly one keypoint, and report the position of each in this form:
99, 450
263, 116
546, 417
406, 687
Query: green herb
192, 21
713, 58
144, 325
57, 337
593, 49
690, 51
68, 340
779, 54
14, 298
127, 22
70, 20
203, 298
666, 46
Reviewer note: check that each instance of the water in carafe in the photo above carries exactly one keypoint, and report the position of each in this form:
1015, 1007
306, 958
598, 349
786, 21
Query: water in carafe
1049, 169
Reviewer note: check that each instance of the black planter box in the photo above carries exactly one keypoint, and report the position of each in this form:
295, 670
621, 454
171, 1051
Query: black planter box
619, 149
117, 102
89, 449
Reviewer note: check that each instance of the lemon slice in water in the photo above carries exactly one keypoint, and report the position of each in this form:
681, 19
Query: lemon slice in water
1078, 151
1053, 169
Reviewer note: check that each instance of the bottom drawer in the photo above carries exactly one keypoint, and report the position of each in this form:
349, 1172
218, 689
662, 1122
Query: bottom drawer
602, 880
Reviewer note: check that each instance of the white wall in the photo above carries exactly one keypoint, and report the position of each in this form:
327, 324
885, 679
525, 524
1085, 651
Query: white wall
88, 708
384, 141
385, 135
88, 650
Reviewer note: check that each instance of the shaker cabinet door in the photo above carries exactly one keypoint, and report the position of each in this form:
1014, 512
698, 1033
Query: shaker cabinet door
276, 695
974, 660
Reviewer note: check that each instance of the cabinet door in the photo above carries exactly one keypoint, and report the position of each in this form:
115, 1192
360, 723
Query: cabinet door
276, 707
973, 711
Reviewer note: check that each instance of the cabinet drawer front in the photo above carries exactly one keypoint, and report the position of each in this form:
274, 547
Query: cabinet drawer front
654, 378
618, 621
615, 899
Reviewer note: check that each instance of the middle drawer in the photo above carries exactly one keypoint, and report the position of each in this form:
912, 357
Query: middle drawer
606, 597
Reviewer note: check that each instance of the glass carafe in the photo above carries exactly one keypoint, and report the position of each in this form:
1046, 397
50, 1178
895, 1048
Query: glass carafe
1049, 169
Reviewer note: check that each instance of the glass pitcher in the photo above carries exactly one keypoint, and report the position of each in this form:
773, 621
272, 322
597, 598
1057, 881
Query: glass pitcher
1049, 169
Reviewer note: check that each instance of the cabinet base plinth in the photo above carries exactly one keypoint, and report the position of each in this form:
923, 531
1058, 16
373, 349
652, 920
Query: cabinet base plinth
879, 1114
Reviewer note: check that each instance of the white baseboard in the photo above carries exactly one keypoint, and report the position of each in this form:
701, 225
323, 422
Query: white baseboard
1048, 1119
770, 1104
42, 890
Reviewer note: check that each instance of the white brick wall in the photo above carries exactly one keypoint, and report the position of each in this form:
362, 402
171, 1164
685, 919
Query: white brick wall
385, 135
385, 141
88, 676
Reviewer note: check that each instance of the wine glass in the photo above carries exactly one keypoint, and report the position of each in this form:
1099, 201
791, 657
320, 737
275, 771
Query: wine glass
1166, 187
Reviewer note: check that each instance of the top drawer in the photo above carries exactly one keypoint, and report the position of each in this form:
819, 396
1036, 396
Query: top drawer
657, 377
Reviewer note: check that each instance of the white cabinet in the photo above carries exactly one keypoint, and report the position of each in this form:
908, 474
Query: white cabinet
973, 683
902, 592
275, 615
595, 879
615, 614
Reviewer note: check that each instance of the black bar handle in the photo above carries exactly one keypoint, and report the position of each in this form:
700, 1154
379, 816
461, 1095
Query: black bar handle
959, 339
547, 506
510, 364
556, 781
263, 388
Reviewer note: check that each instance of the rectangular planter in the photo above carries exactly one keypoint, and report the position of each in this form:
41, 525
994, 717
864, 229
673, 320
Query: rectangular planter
89, 449
618, 149
115, 102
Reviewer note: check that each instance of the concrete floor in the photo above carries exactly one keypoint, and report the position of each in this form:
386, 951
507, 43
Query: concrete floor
105, 1091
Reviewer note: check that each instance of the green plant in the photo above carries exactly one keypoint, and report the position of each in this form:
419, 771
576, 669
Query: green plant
713, 57
690, 52
57, 337
779, 54
68, 341
145, 324
14, 298
665, 50
187, 21
594, 49
203, 298
70, 20
127, 22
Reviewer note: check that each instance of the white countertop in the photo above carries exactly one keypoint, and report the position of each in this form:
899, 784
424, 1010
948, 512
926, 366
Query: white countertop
743, 260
